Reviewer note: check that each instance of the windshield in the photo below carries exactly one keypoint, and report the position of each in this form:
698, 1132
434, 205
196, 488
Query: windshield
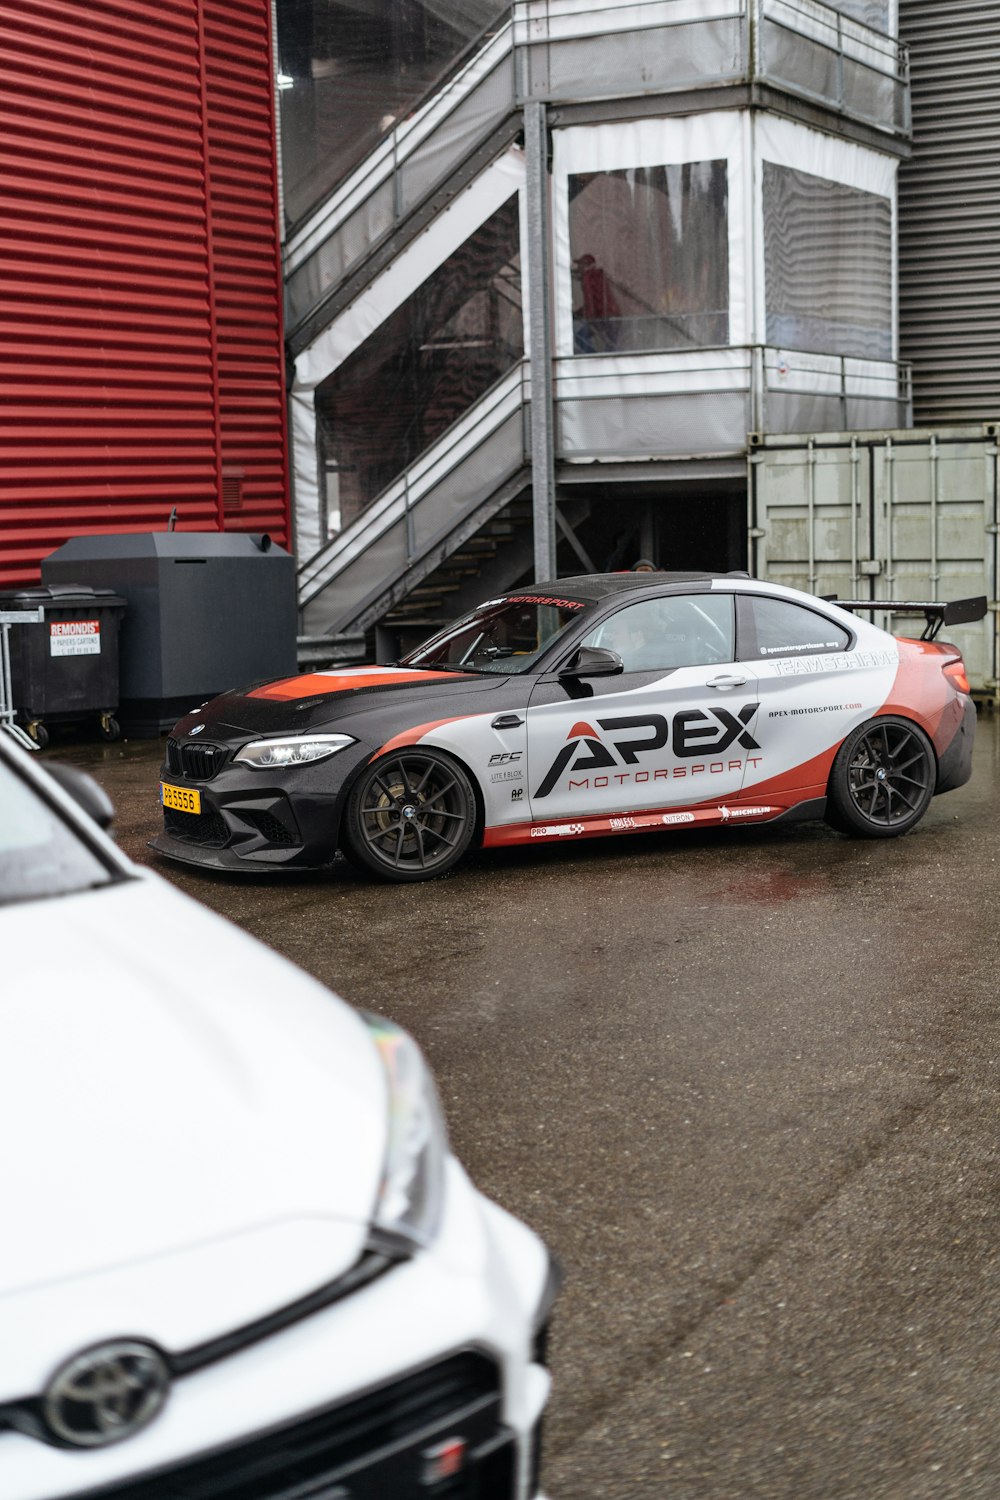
502, 635
40, 855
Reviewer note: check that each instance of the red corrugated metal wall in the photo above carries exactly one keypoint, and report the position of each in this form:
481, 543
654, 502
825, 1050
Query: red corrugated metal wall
141, 365
246, 259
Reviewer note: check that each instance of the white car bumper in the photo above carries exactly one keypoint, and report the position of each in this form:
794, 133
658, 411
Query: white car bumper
370, 1394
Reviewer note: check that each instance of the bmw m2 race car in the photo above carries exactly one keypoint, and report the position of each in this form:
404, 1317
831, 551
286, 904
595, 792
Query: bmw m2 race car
596, 705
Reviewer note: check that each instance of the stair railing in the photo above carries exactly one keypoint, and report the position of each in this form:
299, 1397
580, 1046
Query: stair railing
418, 511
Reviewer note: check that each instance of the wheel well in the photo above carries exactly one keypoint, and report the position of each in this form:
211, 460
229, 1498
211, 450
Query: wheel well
477, 792
887, 714
340, 807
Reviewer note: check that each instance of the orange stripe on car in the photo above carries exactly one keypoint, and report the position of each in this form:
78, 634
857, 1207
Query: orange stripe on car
313, 684
411, 736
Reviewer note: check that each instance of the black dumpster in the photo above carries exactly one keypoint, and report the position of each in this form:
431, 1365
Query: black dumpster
207, 611
64, 669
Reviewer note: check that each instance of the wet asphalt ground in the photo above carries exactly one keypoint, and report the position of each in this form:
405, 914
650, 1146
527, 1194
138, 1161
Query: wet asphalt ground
745, 1083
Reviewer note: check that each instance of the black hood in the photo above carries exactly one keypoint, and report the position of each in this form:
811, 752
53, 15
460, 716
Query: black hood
316, 699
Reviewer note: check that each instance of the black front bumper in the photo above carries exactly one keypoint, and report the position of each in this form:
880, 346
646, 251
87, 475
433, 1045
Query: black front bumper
256, 823
254, 834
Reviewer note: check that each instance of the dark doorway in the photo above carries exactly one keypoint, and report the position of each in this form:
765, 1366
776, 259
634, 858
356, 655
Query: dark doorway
687, 525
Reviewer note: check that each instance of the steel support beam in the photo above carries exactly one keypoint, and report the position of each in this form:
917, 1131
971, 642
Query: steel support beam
574, 541
543, 483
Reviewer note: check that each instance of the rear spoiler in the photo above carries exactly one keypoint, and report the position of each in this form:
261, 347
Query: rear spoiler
935, 613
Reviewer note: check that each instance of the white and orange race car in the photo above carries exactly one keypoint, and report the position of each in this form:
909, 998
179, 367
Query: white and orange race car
595, 705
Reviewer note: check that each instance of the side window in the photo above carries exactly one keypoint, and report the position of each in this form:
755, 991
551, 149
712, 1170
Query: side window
781, 628
677, 631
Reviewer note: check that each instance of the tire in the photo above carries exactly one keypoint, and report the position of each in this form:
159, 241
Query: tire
410, 816
109, 728
38, 733
882, 780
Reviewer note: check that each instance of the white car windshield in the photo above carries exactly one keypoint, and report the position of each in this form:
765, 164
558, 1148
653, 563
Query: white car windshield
504, 635
40, 853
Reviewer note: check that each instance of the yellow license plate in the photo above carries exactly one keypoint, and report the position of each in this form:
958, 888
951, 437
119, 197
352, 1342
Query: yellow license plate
181, 798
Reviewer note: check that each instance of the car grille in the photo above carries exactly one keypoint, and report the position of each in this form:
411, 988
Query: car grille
208, 828
370, 1449
196, 761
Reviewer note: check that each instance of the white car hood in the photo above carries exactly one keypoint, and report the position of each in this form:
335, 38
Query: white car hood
193, 1129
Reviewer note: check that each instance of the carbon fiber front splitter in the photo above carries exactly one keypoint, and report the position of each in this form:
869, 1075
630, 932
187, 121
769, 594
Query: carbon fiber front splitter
262, 862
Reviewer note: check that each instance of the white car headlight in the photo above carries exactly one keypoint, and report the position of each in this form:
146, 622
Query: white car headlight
412, 1190
302, 750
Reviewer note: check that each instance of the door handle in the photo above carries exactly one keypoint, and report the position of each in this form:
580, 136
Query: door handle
729, 680
507, 721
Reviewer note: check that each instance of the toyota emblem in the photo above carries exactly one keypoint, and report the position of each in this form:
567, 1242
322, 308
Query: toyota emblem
106, 1393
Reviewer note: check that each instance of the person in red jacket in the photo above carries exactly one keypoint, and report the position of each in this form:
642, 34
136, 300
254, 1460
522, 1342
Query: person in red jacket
594, 319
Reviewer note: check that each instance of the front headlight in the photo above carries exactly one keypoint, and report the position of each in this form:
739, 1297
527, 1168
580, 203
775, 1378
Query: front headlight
412, 1190
302, 750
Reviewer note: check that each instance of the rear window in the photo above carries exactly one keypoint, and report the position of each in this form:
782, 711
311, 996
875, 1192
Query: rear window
779, 627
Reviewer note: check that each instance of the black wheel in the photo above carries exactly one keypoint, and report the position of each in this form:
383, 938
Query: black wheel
38, 733
410, 816
109, 728
882, 779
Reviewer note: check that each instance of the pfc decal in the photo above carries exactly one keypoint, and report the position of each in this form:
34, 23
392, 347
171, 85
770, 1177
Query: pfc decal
693, 733
505, 757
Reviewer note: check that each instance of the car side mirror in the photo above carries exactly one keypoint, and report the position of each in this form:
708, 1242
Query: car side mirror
593, 661
85, 791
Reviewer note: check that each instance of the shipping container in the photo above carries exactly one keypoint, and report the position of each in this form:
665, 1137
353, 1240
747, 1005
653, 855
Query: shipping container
906, 515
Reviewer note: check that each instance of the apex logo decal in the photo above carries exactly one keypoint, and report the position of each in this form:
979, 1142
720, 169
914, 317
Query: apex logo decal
693, 733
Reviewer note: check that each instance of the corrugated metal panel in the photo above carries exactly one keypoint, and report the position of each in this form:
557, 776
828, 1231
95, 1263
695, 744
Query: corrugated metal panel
107, 373
884, 515
121, 398
246, 259
949, 211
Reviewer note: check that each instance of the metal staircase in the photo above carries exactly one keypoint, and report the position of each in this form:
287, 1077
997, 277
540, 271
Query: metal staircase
452, 527
457, 520
498, 557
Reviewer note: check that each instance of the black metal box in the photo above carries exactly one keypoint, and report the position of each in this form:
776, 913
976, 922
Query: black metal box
207, 611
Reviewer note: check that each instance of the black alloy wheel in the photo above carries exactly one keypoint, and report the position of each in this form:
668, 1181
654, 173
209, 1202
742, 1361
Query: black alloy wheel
411, 815
882, 779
